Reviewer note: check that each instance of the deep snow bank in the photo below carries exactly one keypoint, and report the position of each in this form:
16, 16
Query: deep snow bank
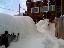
29, 36
42, 26
46, 27
4, 21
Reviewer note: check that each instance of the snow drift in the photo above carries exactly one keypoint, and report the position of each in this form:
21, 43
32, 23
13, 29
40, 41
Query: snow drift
45, 26
29, 36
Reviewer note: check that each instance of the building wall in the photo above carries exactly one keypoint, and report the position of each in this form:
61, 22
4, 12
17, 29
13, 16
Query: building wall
63, 7
41, 14
58, 8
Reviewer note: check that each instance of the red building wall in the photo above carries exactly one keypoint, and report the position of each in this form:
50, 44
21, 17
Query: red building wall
38, 16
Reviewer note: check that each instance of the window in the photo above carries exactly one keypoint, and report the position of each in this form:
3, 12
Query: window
52, 8
35, 10
44, 9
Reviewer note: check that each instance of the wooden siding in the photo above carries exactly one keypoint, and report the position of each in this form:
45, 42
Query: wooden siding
59, 27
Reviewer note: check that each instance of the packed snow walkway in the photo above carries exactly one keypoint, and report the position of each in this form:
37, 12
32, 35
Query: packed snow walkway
30, 37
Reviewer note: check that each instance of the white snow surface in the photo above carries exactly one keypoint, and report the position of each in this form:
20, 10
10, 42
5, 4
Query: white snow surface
45, 26
30, 37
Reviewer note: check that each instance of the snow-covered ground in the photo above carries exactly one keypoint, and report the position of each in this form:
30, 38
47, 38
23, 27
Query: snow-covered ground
48, 28
30, 37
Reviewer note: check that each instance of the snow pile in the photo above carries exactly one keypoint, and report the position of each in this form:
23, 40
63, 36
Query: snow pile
42, 26
4, 21
52, 28
29, 36
45, 26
